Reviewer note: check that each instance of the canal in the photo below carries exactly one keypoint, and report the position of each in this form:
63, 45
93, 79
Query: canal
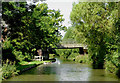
64, 71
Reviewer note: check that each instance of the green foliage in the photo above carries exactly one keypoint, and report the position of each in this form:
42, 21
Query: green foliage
8, 52
69, 37
63, 53
27, 57
43, 26
83, 59
8, 69
51, 56
24, 64
7, 45
73, 55
110, 67
112, 63
67, 53
32, 27
95, 26
18, 55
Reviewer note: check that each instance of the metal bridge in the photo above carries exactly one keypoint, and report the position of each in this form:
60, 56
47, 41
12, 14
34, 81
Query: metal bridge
82, 48
72, 46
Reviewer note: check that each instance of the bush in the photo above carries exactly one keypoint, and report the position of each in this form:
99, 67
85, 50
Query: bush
73, 55
19, 55
110, 67
118, 72
8, 52
8, 69
67, 53
27, 57
112, 63
82, 59
51, 56
13, 54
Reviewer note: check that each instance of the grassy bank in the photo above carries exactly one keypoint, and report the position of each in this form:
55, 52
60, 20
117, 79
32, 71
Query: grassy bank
10, 69
23, 65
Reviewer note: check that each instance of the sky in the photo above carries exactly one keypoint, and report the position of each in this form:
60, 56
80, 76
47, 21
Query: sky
65, 6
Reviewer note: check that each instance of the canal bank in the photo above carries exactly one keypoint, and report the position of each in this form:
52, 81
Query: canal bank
64, 71
13, 70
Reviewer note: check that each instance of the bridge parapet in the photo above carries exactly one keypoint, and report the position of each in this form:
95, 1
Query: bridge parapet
74, 46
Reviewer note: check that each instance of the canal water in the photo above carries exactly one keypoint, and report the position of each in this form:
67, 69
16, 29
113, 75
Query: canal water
64, 71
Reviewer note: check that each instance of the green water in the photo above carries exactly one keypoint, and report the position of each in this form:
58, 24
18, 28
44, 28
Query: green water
64, 71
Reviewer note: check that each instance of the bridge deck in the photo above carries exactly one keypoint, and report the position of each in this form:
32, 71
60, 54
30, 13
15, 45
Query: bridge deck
66, 46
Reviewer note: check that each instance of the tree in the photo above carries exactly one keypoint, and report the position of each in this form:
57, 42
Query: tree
12, 14
69, 36
32, 26
94, 23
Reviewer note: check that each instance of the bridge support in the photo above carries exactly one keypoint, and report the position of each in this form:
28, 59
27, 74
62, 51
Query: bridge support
85, 51
81, 50
45, 54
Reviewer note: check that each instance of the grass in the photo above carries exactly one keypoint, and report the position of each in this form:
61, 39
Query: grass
23, 64
9, 70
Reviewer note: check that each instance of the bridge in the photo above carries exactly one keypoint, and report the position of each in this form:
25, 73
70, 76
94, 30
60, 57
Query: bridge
82, 48
67, 46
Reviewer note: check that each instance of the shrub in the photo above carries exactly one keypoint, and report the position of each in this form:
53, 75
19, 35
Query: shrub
27, 57
73, 55
19, 55
67, 53
8, 69
110, 67
82, 59
112, 63
7, 52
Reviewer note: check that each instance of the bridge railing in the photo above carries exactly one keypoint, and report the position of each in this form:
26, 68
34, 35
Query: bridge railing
69, 41
74, 45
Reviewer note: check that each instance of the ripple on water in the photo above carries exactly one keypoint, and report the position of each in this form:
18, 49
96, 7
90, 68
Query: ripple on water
65, 71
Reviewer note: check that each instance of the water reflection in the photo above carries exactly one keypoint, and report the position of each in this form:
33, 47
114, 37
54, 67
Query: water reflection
64, 71
101, 75
73, 73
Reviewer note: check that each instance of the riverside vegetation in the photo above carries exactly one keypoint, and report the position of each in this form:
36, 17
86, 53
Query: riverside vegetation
98, 26
31, 27
73, 55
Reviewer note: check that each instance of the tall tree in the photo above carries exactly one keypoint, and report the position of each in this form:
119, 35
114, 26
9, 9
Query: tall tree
94, 23
69, 36
32, 26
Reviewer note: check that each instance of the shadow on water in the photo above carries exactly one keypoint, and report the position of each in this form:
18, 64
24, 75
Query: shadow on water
40, 70
45, 69
64, 71
101, 75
